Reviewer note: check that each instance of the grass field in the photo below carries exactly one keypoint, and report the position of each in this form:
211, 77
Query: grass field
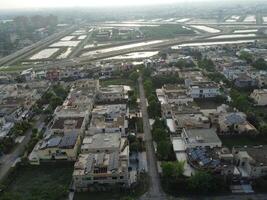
48, 181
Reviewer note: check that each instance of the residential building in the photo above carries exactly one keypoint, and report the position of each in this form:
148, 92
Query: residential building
204, 90
104, 162
56, 147
109, 119
259, 96
200, 138
235, 122
251, 161
113, 93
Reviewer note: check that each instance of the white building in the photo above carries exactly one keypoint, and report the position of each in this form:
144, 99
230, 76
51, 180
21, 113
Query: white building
204, 90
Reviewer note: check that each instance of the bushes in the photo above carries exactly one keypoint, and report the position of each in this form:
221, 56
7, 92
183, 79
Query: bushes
175, 183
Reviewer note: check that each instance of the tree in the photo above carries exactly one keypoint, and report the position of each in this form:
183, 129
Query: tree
164, 149
246, 56
260, 64
263, 129
134, 76
173, 169
148, 86
154, 109
55, 101
159, 134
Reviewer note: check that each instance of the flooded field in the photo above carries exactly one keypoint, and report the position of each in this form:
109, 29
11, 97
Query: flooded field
65, 54
250, 19
44, 54
123, 47
233, 18
135, 55
96, 45
65, 44
183, 20
246, 31
206, 29
79, 32
211, 43
233, 36
82, 37
67, 38
129, 25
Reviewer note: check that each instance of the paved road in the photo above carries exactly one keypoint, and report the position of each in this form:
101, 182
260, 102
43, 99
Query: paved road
155, 192
9, 159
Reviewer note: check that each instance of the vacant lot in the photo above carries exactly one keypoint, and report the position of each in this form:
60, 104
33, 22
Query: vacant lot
49, 181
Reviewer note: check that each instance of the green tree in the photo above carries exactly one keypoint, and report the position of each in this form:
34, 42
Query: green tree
164, 149
134, 76
159, 134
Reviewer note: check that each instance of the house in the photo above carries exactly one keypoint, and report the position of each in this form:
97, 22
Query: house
66, 124
104, 162
204, 90
192, 77
259, 96
235, 122
56, 147
53, 74
109, 119
251, 161
244, 80
174, 94
216, 160
102, 142
113, 93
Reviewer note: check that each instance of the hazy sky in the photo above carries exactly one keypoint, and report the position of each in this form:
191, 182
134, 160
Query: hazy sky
79, 3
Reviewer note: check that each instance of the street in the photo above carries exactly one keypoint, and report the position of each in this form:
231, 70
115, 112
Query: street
8, 160
155, 192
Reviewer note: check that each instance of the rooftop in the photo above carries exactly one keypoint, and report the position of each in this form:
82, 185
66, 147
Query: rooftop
201, 136
102, 141
68, 123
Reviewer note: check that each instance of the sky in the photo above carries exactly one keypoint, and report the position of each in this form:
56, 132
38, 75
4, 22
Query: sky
17, 4
14, 4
